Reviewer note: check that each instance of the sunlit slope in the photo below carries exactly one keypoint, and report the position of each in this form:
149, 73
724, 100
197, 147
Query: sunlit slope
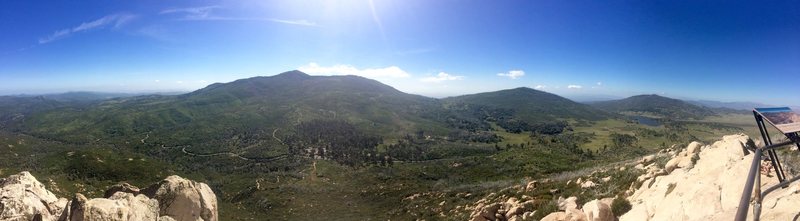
245, 109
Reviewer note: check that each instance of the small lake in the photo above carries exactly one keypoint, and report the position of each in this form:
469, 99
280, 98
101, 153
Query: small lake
649, 121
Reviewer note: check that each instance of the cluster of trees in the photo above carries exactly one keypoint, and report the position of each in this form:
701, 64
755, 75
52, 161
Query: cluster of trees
465, 123
566, 143
476, 116
473, 136
336, 140
518, 126
623, 140
472, 117
407, 149
103, 164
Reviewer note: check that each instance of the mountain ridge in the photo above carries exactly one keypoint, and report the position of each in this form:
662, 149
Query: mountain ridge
530, 104
657, 105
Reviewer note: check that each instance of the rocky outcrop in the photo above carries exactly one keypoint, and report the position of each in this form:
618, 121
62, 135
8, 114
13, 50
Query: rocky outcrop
23, 198
705, 182
184, 200
595, 210
119, 207
512, 209
121, 187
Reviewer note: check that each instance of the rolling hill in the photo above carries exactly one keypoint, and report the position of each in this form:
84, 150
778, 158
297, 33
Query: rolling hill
530, 105
655, 105
219, 114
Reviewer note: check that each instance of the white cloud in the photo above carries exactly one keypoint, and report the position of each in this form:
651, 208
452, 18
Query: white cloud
179, 82
301, 22
55, 36
573, 86
117, 20
341, 69
192, 13
540, 86
513, 74
158, 81
441, 77
599, 83
206, 13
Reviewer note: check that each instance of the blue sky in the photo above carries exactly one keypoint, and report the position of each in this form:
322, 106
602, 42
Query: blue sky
718, 50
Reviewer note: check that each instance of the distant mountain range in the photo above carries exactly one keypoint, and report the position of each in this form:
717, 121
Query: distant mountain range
732, 105
88, 96
655, 105
277, 102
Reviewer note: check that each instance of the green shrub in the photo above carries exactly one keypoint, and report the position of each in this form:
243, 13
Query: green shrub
545, 208
620, 206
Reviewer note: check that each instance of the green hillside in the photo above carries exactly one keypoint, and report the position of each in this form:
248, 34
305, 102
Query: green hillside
515, 108
657, 106
241, 113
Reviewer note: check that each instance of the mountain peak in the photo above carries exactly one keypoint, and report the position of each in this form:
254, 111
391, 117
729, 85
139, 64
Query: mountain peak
292, 74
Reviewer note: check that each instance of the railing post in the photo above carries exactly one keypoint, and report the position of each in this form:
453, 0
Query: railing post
744, 202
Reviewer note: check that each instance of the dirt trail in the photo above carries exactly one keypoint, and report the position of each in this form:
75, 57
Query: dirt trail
276, 138
145, 138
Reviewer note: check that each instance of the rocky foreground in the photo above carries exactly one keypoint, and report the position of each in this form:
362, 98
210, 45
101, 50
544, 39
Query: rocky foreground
706, 183
23, 198
698, 182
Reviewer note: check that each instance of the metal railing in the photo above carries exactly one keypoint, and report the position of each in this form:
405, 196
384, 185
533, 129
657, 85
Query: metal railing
754, 180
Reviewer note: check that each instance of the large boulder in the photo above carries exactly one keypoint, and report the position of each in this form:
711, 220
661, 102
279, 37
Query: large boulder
568, 215
710, 189
693, 148
485, 212
22, 197
121, 187
121, 206
647, 159
568, 203
596, 210
184, 200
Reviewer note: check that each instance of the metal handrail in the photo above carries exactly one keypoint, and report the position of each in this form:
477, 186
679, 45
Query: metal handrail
753, 178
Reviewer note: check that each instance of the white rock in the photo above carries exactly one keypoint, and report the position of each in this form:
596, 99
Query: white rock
693, 147
710, 190
22, 197
568, 203
531, 186
184, 200
597, 211
672, 164
120, 207
647, 159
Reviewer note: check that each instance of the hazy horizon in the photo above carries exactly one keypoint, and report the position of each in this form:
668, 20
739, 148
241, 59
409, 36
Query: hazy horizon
574, 97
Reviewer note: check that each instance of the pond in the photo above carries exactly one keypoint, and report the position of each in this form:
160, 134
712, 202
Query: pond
649, 121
